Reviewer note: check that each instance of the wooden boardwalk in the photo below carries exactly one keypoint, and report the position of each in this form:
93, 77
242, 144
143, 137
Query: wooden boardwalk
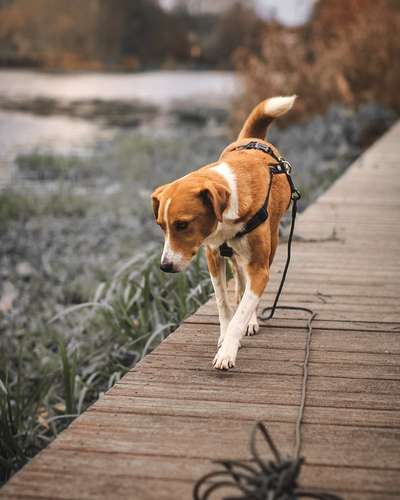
154, 433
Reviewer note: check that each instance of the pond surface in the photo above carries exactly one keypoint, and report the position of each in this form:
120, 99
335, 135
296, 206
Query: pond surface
24, 132
157, 87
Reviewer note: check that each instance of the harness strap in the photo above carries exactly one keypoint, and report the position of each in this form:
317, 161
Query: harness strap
258, 146
281, 167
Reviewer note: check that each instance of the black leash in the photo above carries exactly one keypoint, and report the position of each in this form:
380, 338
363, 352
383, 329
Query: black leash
274, 307
260, 479
295, 197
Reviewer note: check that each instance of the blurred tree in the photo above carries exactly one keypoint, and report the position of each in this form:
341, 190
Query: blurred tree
75, 34
347, 52
54, 32
215, 38
140, 29
238, 27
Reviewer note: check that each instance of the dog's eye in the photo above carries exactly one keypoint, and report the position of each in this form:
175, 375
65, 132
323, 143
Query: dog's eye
181, 225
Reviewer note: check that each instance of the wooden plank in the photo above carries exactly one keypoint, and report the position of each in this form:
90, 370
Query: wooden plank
369, 326
247, 411
168, 467
260, 354
293, 338
187, 385
323, 444
66, 486
329, 313
143, 488
126, 467
294, 297
270, 367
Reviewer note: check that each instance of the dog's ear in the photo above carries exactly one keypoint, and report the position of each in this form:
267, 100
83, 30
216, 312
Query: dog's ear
155, 198
215, 196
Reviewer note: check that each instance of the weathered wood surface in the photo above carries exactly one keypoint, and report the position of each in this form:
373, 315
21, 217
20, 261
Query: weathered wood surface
156, 431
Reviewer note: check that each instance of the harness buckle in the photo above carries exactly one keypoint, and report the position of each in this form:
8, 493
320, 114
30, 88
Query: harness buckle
286, 165
225, 250
295, 196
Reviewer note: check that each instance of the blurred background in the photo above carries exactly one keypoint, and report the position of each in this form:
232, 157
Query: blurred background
102, 101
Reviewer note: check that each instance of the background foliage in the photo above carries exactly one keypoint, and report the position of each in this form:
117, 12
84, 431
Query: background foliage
94, 34
347, 53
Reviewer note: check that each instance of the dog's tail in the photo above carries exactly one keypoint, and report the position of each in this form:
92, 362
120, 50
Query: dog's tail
263, 114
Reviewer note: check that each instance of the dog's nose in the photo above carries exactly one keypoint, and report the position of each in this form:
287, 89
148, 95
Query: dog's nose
167, 267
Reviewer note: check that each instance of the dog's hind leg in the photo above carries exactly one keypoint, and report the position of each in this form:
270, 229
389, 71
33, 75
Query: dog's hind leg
274, 242
240, 280
240, 284
217, 268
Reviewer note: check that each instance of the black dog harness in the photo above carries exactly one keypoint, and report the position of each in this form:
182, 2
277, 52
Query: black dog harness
280, 167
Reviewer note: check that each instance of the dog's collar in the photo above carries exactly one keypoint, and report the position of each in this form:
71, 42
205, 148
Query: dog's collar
280, 167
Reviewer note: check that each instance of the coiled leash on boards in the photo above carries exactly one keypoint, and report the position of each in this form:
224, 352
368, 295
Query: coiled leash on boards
260, 479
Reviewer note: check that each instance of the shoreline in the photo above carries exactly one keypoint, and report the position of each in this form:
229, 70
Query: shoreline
151, 87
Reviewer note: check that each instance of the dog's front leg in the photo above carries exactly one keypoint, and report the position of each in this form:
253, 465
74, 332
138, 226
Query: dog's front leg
256, 280
217, 268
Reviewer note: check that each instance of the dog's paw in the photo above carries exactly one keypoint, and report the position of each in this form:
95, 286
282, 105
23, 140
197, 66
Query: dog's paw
226, 356
253, 326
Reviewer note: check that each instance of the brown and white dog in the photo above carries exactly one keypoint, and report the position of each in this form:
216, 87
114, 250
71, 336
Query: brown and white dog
210, 205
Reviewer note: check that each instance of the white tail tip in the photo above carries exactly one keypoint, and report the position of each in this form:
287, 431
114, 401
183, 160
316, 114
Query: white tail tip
277, 106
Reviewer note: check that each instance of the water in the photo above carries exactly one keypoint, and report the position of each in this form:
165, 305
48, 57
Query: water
24, 132
157, 87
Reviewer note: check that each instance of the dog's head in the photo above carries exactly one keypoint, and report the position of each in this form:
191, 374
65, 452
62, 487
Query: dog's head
187, 210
